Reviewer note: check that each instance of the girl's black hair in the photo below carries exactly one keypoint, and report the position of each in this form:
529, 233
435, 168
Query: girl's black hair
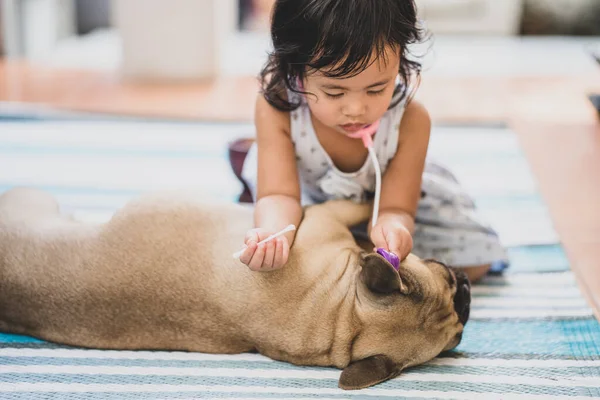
347, 34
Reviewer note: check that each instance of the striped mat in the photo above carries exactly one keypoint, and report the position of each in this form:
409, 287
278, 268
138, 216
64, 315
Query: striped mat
531, 333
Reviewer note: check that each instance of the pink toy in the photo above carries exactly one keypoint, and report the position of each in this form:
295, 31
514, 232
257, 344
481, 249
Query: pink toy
366, 134
391, 257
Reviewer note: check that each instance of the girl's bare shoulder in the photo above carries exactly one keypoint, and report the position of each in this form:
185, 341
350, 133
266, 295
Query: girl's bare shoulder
269, 120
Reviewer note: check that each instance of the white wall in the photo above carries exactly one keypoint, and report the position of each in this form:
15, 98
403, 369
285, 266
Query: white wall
496, 17
175, 39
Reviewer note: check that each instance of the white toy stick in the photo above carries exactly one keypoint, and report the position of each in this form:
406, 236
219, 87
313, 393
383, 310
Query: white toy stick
373, 157
366, 134
287, 229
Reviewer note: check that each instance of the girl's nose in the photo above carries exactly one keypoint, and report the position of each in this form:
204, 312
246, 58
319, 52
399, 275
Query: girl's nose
354, 108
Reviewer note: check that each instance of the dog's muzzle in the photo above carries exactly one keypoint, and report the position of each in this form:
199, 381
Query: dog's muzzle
462, 298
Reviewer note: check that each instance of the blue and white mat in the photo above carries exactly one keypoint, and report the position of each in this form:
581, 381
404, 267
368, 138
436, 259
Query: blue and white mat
531, 334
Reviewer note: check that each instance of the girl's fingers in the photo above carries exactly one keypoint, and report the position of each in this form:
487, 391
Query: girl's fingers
378, 238
285, 251
266, 257
267, 263
278, 261
251, 235
257, 259
406, 246
248, 252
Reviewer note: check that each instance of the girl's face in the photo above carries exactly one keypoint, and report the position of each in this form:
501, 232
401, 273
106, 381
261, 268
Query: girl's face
349, 104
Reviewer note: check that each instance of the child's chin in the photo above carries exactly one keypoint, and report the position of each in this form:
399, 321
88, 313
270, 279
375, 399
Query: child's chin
342, 131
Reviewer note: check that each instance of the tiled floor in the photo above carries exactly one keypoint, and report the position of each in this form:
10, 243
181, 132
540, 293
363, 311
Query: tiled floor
538, 87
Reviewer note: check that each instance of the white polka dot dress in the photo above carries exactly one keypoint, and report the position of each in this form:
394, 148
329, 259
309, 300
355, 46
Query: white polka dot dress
447, 225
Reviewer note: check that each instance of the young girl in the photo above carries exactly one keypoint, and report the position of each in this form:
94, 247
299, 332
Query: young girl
338, 66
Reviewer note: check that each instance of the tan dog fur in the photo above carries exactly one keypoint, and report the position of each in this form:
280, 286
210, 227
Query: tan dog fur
160, 275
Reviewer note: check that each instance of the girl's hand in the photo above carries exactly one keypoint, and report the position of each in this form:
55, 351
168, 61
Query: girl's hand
265, 257
392, 235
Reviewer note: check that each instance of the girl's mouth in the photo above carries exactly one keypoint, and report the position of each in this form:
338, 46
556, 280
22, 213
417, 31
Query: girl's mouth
352, 128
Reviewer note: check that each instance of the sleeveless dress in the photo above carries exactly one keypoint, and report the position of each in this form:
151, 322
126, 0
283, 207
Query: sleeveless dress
447, 225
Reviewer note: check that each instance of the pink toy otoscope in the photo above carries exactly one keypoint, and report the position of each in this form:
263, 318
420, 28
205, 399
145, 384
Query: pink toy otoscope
366, 134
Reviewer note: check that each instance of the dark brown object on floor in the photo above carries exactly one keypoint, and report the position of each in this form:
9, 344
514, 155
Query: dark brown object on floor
238, 150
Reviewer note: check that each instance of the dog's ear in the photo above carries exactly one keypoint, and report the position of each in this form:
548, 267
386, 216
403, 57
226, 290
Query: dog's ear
368, 372
379, 276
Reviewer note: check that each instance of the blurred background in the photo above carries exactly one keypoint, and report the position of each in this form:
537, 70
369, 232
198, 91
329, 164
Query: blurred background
65, 32
201, 42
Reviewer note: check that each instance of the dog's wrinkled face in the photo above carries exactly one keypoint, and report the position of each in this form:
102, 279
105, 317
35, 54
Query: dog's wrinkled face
408, 317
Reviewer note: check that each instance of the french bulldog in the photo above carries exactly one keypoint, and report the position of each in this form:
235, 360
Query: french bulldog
159, 275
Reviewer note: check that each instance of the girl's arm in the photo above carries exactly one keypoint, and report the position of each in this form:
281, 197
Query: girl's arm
278, 190
401, 183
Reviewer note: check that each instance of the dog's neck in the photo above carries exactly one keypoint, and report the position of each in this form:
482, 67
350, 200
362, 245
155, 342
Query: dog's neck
323, 319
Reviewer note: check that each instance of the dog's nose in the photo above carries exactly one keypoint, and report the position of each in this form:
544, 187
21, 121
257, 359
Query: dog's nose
462, 298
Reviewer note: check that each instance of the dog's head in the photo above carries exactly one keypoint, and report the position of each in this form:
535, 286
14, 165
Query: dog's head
407, 317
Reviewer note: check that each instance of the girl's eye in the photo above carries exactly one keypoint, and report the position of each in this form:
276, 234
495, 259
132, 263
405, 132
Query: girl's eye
375, 92
334, 96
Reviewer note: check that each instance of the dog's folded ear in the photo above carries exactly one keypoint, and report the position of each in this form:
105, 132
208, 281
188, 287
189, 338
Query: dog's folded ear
368, 372
379, 276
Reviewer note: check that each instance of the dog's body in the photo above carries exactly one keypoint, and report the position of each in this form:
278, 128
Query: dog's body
160, 275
